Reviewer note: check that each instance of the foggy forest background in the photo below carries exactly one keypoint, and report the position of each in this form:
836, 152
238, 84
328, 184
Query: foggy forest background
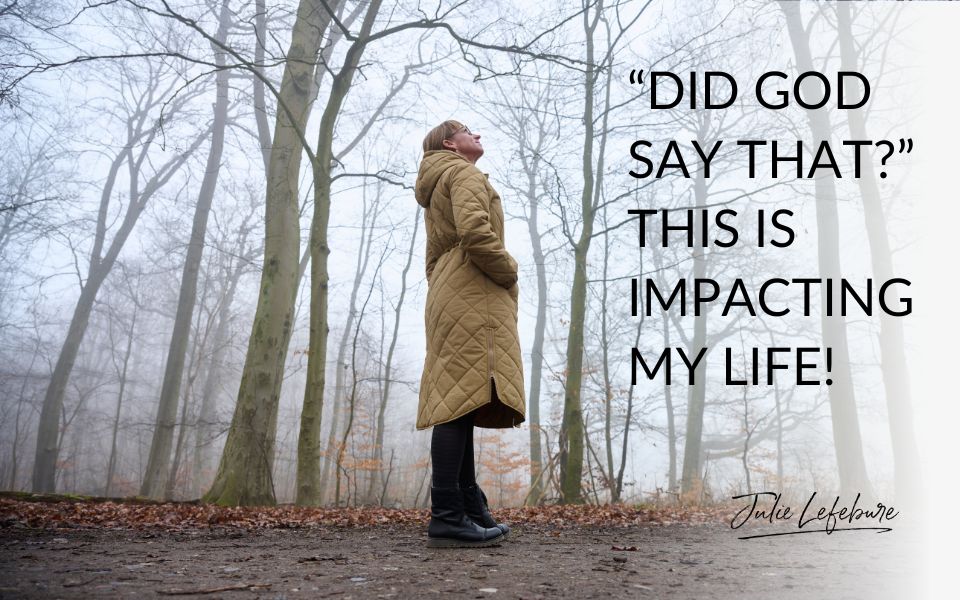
212, 272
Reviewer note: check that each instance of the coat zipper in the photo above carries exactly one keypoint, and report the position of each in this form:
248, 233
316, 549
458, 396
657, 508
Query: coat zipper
490, 353
491, 375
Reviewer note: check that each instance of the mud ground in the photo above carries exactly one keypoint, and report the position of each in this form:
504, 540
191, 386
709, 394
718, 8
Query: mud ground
670, 561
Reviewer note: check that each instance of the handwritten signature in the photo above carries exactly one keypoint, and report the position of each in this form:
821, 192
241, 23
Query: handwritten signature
759, 509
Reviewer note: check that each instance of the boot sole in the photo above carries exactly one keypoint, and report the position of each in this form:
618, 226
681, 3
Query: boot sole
455, 543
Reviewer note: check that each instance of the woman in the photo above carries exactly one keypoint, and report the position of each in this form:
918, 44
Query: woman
473, 373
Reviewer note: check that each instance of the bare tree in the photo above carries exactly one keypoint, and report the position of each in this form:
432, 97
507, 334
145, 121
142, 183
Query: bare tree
896, 379
592, 170
378, 480
237, 252
141, 137
122, 366
843, 408
245, 472
158, 465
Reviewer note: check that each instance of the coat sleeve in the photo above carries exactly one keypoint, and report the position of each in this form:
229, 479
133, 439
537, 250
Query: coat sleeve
471, 216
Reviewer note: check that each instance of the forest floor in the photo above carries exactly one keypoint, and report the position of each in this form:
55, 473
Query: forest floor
83, 549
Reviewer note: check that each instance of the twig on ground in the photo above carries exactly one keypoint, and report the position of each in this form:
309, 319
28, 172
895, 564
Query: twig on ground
227, 588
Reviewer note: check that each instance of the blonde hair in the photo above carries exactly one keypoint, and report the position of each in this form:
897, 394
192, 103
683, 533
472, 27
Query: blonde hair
434, 139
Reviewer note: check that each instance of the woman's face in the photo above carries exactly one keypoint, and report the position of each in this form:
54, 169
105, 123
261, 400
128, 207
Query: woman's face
465, 143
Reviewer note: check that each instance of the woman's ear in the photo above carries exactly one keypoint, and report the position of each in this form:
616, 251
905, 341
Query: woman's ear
449, 145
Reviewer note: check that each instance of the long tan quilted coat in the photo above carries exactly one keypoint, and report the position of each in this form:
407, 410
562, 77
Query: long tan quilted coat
473, 350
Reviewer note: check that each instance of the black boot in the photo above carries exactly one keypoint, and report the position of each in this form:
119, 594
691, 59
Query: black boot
475, 505
449, 526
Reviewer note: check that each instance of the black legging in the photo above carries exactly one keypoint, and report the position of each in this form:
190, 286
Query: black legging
451, 450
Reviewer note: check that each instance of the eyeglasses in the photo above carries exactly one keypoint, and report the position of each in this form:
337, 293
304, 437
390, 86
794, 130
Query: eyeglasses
464, 129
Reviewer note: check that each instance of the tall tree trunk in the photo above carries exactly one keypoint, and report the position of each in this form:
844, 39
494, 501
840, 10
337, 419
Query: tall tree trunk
605, 350
843, 407
376, 482
607, 385
112, 462
207, 418
193, 369
691, 484
672, 480
335, 454
309, 443
571, 427
48, 434
309, 465
536, 351
893, 360
618, 484
779, 407
244, 476
259, 95
671, 419
21, 400
158, 463
351, 410
171, 483
748, 431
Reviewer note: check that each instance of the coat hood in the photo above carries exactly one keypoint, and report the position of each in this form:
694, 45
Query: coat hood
434, 164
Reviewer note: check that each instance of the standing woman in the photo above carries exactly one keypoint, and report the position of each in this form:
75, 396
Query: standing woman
473, 373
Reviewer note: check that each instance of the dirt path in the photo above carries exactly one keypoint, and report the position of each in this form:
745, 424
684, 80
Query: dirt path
671, 561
